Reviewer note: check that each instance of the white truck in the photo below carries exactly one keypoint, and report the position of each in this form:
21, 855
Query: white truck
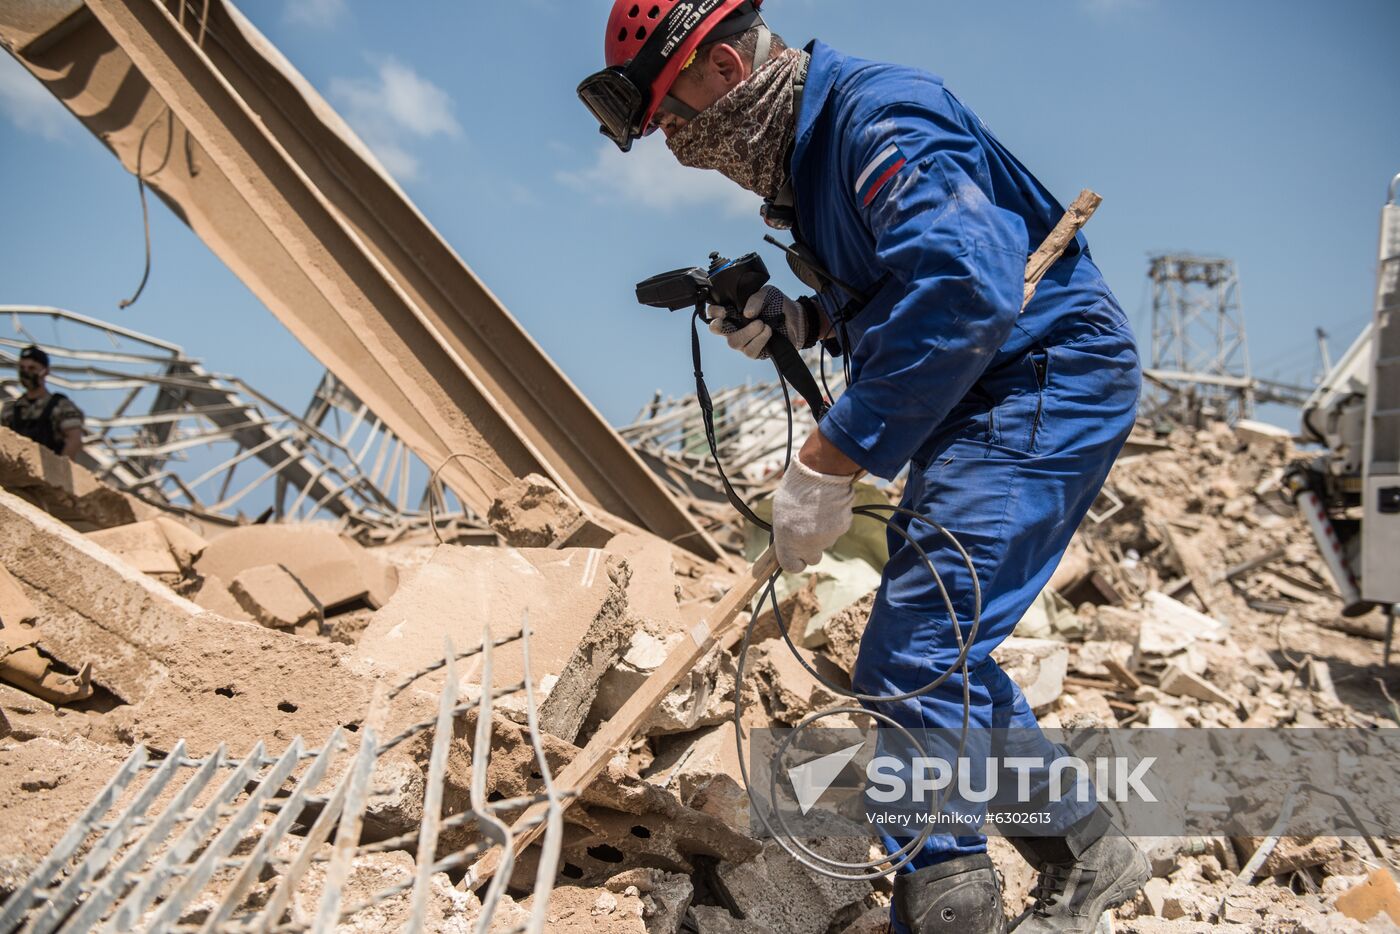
1350, 494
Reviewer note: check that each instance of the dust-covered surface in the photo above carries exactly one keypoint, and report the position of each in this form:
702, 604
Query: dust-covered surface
1198, 600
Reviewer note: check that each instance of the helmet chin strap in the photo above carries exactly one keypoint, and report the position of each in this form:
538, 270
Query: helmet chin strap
764, 48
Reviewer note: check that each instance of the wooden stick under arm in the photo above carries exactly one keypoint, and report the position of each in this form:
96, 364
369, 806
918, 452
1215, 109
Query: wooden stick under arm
1059, 240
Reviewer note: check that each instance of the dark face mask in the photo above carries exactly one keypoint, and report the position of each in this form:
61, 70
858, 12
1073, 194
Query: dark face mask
29, 380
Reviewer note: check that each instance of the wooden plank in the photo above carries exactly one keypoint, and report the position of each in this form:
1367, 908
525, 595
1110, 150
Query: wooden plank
1121, 674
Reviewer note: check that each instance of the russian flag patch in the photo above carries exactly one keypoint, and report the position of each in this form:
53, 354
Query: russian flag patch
878, 173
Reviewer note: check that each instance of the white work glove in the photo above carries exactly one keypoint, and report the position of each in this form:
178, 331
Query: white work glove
766, 308
810, 512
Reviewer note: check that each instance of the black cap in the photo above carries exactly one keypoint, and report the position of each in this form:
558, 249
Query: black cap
34, 353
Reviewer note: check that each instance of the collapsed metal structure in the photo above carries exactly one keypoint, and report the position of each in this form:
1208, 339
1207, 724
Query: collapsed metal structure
751, 436
118, 869
196, 102
162, 427
1200, 349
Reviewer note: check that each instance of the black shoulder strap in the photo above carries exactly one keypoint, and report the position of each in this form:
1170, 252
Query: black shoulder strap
54, 400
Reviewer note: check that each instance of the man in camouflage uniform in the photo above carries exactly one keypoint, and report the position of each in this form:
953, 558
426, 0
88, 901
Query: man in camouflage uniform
50, 419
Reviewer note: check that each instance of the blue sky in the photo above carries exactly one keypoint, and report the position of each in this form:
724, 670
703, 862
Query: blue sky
1264, 131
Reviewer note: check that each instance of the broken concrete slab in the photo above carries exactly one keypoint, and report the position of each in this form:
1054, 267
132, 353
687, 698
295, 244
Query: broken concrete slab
142, 545
776, 890
331, 567
1037, 665
1290, 853
67, 491
790, 690
714, 920
704, 772
578, 910
1261, 434
665, 896
1179, 682
652, 592
874, 921
274, 597
370, 874
531, 512
577, 603
704, 697
621, 822
181, 671
213, 595
1168, 626
844, 631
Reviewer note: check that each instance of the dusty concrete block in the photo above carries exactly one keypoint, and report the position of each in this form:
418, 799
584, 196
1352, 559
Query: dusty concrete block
713, 920
651, 593
1261, 434
448, 909
1169, 626
665, 896
142, 545
1289, 854
185, 544
874, 921
775, 890
15, 608
332, 568
621, 822
183, 672
1179, 682
532, 513
65, 490
274, 597
576, 599
791, 691
844, 631
704, 697
213, 595
578, 910
705, 774
1106, 658
1037, 665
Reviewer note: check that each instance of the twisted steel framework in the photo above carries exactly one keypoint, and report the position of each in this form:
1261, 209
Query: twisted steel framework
119, 869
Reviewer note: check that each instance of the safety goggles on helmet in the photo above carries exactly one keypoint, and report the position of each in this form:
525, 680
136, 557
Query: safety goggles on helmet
625, 97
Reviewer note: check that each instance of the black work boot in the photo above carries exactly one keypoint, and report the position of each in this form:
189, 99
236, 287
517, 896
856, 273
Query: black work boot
961, 896
1082, 875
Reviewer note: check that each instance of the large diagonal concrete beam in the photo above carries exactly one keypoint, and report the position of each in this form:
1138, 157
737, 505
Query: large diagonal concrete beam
292, 202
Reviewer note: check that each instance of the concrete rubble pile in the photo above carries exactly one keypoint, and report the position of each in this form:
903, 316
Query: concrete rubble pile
122, 625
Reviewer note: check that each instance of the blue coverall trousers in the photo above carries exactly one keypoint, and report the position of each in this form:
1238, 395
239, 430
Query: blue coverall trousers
1011, 473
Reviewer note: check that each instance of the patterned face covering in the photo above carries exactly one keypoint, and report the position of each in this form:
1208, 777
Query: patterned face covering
747, 133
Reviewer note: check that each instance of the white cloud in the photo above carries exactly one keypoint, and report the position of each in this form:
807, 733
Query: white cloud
318, 13
27, 103
650, 176
394, 107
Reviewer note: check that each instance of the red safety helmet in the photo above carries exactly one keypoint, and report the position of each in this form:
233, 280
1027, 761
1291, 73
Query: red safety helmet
648, 44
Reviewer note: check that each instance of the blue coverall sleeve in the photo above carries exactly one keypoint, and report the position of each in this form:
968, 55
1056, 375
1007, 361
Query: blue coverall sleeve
956, 264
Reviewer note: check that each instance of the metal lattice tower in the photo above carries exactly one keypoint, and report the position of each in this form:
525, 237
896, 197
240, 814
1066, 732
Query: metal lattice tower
1200, 354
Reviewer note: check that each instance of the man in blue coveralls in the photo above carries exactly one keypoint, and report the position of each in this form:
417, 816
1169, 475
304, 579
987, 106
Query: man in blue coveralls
1008, 421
